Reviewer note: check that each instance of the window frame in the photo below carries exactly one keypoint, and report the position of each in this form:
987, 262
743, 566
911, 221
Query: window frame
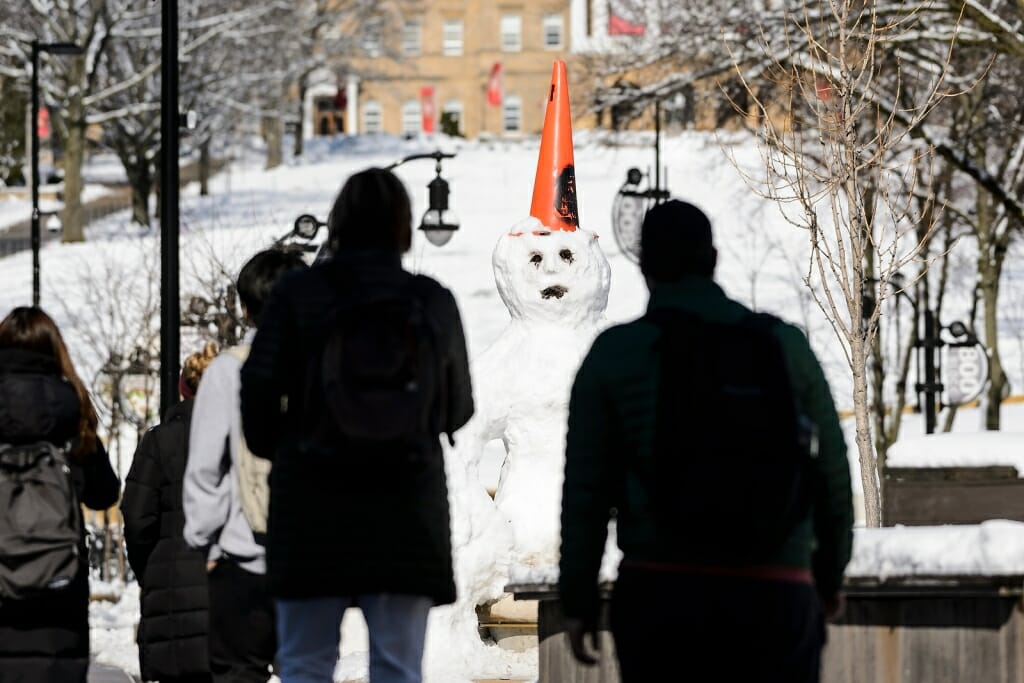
407, 23
372, 106
517, 20
448, 48
547, 21
512, 103
407, 106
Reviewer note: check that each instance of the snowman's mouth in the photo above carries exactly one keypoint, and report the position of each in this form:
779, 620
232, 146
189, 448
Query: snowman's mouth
556, 291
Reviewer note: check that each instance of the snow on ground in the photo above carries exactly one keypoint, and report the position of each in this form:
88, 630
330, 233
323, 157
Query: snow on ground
17, 207
980, 449
103, 292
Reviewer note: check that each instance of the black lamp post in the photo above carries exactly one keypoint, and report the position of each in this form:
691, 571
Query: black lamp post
56, 49
170, 120
927, 344
439, 221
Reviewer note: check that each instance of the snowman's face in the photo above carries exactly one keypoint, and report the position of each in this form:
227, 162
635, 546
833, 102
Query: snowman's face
551, 275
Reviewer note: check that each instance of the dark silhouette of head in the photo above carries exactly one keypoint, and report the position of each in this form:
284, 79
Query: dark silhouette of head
372, 211
259, 275
30, 329
675, 241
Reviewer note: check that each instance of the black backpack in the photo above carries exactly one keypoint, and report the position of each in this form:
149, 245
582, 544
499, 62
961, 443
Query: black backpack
40, 521
732, 453
381, 370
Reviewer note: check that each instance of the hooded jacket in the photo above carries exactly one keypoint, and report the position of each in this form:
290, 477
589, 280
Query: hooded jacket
46, 638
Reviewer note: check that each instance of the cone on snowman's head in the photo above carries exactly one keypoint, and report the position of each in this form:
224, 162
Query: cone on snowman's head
554, 188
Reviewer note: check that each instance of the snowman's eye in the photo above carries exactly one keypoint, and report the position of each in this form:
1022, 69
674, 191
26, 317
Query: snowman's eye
566, 255
535, 259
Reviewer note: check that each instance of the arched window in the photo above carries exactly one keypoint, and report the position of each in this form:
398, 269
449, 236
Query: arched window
412, 117
371, 117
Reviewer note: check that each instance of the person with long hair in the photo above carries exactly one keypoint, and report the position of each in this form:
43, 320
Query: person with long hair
45, 637
173, 630
319, 560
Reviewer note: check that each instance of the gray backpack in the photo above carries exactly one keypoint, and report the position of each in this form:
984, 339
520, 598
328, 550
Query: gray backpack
40, 521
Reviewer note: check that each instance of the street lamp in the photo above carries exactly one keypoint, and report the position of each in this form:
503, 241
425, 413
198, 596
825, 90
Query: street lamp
968, 369
55, 49
439, 221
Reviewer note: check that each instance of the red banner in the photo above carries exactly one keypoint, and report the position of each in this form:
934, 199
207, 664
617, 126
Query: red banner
43, 123
427, 107
494, 86
625, 18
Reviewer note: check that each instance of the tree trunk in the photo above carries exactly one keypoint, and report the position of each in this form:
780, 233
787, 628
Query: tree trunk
274, 137
865, 449
73, 216
158, 182
298, 140
997, 376
204, 168
141, 181
989, 269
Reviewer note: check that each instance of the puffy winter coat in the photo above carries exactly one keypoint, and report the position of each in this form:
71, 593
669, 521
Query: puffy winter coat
46, 638
612, 415
172, 633
345, 521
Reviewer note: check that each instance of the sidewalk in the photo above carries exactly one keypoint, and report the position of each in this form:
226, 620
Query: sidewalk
101, 673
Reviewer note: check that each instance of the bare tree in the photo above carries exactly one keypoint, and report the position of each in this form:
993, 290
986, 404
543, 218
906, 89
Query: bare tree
841, 168
117, 327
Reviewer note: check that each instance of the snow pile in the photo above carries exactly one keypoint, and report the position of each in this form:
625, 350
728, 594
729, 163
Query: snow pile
993, 548
981, 449
112, 626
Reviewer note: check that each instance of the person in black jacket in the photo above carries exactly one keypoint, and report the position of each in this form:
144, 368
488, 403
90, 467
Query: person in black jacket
172, 636
46, 637
352, 524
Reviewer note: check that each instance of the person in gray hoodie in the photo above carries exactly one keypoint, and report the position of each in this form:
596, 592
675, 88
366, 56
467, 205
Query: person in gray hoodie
242, 626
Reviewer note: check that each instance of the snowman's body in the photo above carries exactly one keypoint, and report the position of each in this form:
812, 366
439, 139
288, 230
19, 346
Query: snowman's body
555, 286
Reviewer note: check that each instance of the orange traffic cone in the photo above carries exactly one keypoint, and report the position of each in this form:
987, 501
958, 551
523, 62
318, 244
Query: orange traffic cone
554, 188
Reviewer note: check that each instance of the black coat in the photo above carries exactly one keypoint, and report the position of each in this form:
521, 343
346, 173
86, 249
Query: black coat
344, 521
46, 638
172, 633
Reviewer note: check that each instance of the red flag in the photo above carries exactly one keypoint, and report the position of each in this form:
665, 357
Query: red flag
494, 85
624, 20
427, 107
43, 123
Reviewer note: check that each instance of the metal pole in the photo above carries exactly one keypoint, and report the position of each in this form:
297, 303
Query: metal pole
169, 306
931, 340
657, 146
34, 125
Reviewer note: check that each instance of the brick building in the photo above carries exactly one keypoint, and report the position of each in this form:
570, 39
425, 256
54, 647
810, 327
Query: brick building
458, 66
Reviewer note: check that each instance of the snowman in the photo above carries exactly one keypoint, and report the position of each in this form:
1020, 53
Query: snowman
553, 277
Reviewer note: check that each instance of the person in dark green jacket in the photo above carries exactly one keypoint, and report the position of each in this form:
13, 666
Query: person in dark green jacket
760, 619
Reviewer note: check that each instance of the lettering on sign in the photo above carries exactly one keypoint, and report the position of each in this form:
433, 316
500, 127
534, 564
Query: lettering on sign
965, 372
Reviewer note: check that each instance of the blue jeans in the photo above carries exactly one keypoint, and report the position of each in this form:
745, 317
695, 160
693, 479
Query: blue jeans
308, 636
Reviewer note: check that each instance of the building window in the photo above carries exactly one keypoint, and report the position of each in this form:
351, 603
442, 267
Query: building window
512, 114
511, 33
452, 38
412, 30
451, 118
412, 117
553, 25
371, 117
372, 41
